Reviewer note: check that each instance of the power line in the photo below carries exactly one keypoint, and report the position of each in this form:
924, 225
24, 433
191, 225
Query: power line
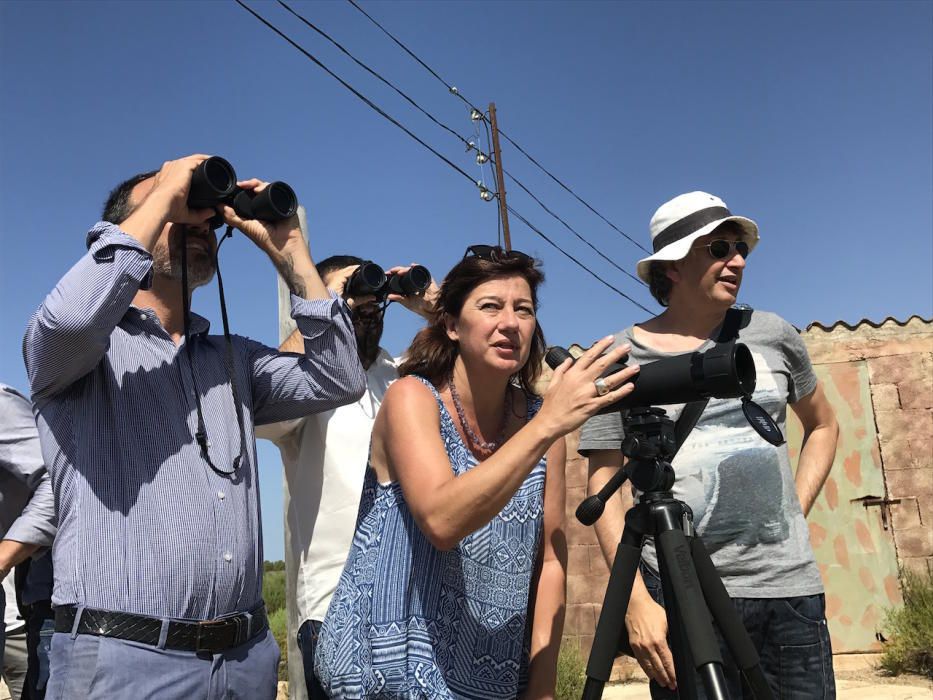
453, 90
540, 233
349, 87
372, 72
469, 145
384, 114
574, 232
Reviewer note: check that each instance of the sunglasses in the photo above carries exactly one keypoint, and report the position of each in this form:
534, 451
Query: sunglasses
495, 253
721, 249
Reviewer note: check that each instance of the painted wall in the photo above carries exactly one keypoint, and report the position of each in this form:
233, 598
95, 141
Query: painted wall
876, 510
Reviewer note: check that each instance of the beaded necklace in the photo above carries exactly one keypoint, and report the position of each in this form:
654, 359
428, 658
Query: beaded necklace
475, 441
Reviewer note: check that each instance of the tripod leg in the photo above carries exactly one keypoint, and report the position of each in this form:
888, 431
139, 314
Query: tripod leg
674, 549
680, 649
730, 624
612, 617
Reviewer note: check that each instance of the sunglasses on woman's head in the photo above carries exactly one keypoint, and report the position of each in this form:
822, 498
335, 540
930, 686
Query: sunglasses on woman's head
721, 249
494, 253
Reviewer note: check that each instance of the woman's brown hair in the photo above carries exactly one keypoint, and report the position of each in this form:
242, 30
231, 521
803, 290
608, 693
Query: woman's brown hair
432, 354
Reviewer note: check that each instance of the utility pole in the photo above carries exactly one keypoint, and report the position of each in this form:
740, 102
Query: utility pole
500, 181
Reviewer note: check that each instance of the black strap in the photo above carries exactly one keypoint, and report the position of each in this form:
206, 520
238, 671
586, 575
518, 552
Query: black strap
201, 433
689, 224
690, 416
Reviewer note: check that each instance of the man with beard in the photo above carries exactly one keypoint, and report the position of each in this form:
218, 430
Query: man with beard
325, 461
747, 505
146, 423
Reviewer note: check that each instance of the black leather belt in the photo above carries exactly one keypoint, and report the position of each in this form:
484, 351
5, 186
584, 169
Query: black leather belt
208, 635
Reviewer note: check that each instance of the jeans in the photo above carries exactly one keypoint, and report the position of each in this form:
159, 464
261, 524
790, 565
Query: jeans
307, 641
792, 641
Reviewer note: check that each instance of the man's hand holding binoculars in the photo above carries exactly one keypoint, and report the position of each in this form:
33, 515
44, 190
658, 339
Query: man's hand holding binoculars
282, 241
421, 303
165, 200
202, 190
419, 291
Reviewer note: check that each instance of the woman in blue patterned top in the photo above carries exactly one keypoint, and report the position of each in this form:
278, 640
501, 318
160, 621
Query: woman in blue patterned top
454, 586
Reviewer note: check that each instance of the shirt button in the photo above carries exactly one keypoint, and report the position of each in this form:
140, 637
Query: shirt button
221, 495
228, 556
142, 317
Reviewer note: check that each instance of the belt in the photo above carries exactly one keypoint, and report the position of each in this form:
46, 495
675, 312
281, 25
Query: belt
208, 635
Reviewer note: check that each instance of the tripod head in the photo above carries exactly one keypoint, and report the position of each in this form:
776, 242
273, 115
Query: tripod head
650, 444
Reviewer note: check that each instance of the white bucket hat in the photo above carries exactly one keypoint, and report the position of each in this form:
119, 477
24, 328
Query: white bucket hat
678, 223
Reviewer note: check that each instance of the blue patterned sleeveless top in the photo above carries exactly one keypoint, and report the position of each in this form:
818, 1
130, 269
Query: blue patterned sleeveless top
410, 621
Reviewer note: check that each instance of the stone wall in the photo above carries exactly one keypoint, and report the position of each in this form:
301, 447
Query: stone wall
900, 361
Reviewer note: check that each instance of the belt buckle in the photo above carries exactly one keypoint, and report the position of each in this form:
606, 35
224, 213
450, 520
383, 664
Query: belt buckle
205, 627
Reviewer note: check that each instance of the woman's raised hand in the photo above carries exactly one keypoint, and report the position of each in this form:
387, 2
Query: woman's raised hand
572, 395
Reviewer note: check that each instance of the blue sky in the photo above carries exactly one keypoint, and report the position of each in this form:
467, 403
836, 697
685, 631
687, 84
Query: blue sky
815, 119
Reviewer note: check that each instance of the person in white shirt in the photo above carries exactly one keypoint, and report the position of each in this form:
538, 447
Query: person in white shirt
324, 457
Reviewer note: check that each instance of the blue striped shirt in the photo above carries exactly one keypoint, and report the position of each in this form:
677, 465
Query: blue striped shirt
145, 525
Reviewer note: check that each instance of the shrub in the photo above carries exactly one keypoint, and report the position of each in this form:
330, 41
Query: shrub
910, 648
273, 590
279, 627
571, 672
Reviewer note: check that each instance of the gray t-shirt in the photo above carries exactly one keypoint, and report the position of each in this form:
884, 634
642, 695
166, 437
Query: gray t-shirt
740, 487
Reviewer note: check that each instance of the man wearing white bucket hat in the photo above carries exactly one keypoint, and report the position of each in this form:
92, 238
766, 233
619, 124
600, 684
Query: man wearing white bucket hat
748, 506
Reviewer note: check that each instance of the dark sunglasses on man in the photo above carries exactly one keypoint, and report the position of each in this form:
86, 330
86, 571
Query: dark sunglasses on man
722, 249
495, 253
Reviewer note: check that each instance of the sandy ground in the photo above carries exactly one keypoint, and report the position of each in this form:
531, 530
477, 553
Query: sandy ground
864, 684
850, 685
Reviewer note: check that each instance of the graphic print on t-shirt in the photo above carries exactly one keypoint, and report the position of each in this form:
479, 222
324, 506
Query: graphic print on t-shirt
733, 480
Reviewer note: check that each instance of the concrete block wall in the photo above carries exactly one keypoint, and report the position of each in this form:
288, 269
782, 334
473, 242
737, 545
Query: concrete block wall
900, 365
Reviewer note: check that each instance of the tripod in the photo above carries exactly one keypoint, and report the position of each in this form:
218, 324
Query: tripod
692, 589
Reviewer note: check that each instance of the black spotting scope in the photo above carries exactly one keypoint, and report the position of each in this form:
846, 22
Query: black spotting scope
213, 183
725, 371
370, 279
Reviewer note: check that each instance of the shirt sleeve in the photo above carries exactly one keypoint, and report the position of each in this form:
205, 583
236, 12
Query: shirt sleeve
802, 379
327, 375
601, 433
70, 332
21, 456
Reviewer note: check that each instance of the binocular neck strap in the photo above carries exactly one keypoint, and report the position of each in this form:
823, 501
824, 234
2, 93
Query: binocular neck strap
231, 367
201, 434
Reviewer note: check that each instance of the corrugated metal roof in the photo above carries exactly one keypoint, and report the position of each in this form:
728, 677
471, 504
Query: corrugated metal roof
866, 322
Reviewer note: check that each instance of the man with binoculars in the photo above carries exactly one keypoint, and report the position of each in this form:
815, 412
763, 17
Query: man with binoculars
146, 423
747, 505
325, 454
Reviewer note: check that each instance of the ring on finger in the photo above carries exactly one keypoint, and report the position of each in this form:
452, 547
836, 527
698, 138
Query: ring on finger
602, 388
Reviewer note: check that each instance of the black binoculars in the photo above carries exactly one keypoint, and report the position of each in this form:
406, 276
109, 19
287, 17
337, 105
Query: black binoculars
370, 279
213, 183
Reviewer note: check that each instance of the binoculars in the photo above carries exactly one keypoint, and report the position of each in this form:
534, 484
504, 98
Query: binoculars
213, 183
370, 279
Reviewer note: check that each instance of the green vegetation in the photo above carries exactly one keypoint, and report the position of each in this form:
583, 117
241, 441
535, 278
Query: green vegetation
910, 649
571, 672
273, 592
280, 631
